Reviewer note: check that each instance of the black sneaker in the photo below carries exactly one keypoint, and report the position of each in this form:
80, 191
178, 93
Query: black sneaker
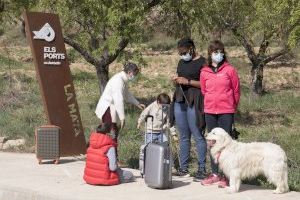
182, 173
200, 175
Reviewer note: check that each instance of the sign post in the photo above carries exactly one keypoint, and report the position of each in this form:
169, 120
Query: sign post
44, 34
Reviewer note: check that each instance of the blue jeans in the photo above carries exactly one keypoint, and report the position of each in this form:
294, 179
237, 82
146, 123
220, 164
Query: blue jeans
157, 137
185, 119
224, 121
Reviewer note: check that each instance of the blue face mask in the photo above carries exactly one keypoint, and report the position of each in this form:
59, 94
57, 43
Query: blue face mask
186, 57
217, 57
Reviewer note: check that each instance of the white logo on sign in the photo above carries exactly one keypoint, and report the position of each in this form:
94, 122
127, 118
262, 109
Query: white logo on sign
45, 33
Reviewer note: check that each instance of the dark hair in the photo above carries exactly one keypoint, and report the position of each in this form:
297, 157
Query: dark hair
103, 128
163, 98
106, 129
131, 67
187, 43
214, 46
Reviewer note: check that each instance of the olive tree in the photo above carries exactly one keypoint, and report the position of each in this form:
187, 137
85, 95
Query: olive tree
254, 23
99, 30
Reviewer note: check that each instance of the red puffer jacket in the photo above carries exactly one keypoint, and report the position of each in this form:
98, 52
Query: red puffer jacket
97, 170
221, 89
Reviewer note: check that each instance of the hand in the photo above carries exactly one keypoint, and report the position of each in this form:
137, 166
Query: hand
174, 77
182, 80
122, 124
138, 126
175, 138
174, 134
173, 131
141, 106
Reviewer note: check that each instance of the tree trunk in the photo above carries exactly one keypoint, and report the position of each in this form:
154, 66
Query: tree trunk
102, 65
94, 43
102, 75
257, 79
257, 69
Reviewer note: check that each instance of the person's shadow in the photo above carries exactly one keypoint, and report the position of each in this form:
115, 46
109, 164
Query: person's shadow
178, 184
247, 187
175, 183
62, 161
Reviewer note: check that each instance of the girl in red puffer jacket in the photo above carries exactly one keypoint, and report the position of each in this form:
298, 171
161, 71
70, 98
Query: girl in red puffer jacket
220, 87
101, 161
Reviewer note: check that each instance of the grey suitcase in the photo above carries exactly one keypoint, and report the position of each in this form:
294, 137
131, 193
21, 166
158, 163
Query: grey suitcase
158, 168
47, 143
142, 148
158, 165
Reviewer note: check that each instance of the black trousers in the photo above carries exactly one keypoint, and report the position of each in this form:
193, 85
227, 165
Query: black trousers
111, 127
223, 121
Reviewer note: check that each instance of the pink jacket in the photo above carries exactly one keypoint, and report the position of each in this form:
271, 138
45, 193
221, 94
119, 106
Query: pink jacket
221, 90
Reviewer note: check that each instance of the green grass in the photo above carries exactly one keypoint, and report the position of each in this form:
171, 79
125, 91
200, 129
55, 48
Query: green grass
21, 109
275, 117
130, 139
6, 63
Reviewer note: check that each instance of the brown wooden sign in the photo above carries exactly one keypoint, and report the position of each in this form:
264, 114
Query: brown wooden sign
44, 34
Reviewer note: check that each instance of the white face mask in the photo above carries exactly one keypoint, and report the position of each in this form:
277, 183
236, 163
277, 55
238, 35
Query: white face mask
217, 57
186, 57
164, 107
131, 78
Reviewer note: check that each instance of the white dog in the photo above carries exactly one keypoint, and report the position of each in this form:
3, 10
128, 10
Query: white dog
246, 160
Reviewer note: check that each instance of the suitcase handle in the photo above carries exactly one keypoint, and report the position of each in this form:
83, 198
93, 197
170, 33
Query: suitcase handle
149, 116
146, 128
162, 119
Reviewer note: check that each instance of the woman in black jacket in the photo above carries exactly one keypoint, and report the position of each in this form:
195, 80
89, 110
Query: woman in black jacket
187, 109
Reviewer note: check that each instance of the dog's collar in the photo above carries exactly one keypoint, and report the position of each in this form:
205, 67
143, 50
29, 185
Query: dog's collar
219, 154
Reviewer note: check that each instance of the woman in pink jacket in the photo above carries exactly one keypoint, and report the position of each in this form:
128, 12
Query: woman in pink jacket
220, 86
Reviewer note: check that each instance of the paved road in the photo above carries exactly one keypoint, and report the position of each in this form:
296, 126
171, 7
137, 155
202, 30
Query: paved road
21, 178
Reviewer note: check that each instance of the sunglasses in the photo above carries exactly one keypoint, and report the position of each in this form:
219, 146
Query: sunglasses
182, 53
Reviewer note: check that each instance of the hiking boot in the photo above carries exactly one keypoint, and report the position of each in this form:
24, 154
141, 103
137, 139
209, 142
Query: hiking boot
200, 175
182, 173
223, 183
210, 180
